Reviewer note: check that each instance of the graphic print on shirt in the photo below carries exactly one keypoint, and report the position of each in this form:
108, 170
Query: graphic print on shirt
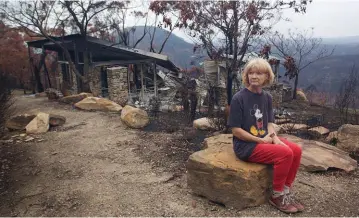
257, 129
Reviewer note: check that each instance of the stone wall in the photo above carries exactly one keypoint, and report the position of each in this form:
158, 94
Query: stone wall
74, 88
95, 81
117, 85
279, 93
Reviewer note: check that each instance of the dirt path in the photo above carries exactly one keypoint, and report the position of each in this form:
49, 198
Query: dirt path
90, 167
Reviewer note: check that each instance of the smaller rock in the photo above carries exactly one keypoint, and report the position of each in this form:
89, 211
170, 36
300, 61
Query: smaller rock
280, 116
73, 99
348, 137
203, 124
40, 140
40, 124
40, 95
301, 96
53, 94
320, 130
7, 141
98, 104
293, 126
56, 120
134, 117
331, 136
29, 139
19, 122
23, 135
282, 121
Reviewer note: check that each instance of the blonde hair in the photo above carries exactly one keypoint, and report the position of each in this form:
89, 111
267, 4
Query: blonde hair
261, 65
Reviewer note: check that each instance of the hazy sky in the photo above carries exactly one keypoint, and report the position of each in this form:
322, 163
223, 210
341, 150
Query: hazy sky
329, 18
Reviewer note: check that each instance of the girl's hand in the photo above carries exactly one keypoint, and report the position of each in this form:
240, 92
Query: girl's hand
277, 141
266, 140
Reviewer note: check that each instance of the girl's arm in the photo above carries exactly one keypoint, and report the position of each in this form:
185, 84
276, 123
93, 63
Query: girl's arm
271, 130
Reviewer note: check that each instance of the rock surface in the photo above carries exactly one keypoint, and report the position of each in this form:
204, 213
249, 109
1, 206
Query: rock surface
73, 99
348, 138
57, 120
217, 174
318, 156
19, 122
293, 126
98, 104
134, 117
40, 124
203, 124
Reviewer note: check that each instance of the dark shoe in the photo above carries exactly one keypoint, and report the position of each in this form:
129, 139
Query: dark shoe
282, 203
295, 202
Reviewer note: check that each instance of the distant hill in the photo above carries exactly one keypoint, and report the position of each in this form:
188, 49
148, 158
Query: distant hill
178, 50
326, 74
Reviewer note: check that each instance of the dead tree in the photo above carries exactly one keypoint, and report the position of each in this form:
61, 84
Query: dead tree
346, 100
46, 19
300, 50
226, 29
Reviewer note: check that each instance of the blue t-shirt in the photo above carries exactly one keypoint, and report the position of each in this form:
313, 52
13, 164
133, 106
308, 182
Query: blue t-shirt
252, 112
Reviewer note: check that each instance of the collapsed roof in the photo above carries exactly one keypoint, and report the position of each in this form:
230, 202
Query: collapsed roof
104, 52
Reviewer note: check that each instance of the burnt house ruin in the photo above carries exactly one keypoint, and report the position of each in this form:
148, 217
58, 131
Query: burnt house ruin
115, 71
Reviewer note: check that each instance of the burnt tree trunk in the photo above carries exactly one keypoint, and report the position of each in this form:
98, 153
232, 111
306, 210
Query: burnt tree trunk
295, 86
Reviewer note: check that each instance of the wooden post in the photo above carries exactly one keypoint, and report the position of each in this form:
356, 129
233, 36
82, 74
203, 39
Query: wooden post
155, 78
76, 55
128, 84
33, 84
142, 86
45, 68
276, 71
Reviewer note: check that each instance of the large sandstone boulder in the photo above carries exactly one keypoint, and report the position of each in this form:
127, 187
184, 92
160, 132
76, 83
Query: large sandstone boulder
40, 124
318, 156
19, 122
98, 104
203, 124
348, 138
217, 174
73, 99
134, 117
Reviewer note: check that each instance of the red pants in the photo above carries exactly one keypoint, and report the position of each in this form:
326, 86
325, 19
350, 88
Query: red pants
286, 161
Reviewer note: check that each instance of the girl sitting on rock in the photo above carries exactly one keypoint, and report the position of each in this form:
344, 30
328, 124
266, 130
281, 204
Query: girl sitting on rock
254, 138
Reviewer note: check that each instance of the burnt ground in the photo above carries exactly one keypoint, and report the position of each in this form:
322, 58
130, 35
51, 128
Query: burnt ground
95, 166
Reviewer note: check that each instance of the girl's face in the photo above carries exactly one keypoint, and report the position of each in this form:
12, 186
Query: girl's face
256, 77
